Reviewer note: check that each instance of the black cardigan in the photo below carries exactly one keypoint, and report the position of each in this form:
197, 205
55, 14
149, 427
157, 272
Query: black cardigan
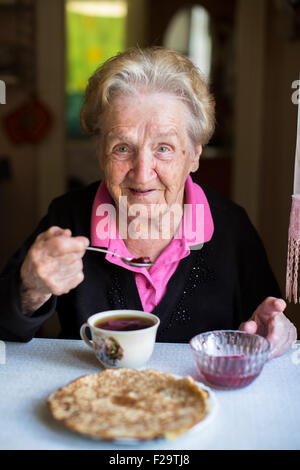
216, 287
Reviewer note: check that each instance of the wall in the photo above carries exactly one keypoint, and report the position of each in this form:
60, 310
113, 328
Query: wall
50, 50
282, 67
37, 170
249, 104
18, 202
17, 194
268, 63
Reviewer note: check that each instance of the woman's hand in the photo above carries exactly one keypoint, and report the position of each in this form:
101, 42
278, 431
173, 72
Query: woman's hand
269, 321
53, 265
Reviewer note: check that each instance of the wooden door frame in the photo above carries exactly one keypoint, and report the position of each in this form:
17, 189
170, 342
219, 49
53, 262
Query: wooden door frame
50, 44
249, 110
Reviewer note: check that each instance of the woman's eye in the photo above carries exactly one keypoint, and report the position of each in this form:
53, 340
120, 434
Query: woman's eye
122, 149
163, 149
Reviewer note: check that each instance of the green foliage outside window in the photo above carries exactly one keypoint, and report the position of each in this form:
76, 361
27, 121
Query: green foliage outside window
90, 41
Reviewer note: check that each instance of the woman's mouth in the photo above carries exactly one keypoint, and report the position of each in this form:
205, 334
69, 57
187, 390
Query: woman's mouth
140, 192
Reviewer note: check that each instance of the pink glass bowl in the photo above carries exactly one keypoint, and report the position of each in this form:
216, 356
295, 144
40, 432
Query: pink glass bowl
229, 358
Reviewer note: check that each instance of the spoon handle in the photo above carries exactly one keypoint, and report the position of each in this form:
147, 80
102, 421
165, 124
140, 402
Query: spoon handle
102, 250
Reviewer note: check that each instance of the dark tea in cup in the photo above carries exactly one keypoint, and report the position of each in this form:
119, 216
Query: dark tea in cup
124, 323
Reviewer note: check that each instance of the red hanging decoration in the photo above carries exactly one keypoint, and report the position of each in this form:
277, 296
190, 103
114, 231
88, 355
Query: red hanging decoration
30, 122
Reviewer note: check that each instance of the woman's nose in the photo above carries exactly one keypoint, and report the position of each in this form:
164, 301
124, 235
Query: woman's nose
143, 168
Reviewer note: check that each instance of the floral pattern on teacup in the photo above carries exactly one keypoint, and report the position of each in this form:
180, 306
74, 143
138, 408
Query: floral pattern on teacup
109, 350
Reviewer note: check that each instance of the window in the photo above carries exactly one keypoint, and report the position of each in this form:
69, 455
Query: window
189, 33
95, 31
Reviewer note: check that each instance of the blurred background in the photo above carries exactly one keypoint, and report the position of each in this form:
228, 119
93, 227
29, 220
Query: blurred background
249, 50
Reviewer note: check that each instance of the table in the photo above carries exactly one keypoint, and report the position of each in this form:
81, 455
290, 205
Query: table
264, 415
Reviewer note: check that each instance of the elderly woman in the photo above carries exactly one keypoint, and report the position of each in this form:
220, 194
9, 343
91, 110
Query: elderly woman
151, 113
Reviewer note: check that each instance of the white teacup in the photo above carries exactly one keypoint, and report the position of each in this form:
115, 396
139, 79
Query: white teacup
115, 348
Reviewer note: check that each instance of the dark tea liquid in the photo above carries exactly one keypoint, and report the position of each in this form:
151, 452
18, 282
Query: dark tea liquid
124, 323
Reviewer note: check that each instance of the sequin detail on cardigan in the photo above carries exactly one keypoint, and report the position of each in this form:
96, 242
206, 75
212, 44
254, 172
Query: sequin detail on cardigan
199, 273
116, 298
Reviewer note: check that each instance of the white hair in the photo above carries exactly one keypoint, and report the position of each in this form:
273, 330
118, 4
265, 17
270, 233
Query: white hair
153, 69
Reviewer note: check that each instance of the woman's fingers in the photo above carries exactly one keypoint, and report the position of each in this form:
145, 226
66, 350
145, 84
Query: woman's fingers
269, 321
282, 334
54, 261
249, 326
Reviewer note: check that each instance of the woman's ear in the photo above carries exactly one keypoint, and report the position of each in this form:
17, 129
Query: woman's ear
196, 158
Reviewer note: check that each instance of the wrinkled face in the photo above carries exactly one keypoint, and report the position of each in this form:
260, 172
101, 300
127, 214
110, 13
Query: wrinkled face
145, 152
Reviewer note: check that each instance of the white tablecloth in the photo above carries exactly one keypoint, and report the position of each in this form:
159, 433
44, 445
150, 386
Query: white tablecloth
264, 415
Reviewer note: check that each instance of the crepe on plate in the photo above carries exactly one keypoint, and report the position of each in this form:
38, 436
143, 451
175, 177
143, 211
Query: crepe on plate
126, 403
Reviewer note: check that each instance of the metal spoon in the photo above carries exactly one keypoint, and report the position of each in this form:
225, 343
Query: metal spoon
129, 261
